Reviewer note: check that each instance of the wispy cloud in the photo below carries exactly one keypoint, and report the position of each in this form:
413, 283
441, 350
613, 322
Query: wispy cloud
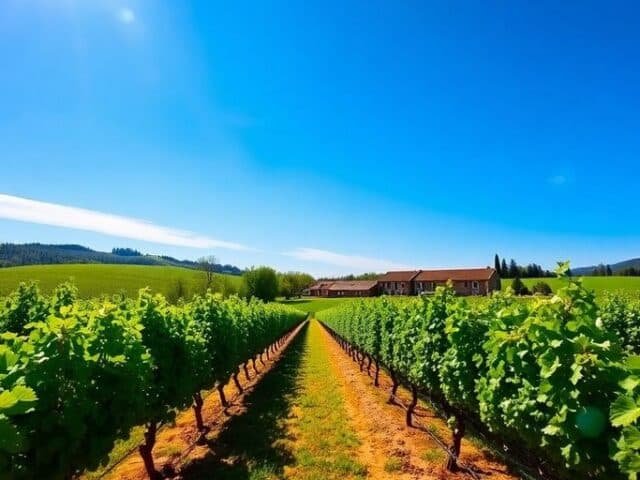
356, 262
126, 15
32, 211
557, 180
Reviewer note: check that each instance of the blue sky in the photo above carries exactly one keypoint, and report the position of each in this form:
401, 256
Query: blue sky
330, 137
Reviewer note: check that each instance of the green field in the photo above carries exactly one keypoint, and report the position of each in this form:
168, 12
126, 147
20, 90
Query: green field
94, 280
598, 284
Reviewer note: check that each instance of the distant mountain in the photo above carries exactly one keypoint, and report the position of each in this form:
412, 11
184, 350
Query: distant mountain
13, 255
615, 267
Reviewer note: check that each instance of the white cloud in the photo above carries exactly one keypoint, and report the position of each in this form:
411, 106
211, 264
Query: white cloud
557, 180
356, 262
32, 211
126, 15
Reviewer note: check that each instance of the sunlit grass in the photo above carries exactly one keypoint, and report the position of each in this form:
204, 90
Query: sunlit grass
325, 445
94, 280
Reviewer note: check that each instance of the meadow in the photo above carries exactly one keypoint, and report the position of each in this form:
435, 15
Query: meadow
598, 284
94, 280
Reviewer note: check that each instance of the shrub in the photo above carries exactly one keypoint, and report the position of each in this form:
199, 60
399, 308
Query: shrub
519, 288
542, 288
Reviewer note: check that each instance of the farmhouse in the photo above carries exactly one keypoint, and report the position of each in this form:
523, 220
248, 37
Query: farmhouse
320, 289
468, 281
341, 288
398, 283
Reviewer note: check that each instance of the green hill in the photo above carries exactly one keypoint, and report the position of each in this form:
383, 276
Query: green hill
16, 255
94, 280
599, 284
615, 267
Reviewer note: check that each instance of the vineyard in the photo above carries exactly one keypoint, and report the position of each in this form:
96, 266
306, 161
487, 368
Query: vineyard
550, 384
554, 381
76, 375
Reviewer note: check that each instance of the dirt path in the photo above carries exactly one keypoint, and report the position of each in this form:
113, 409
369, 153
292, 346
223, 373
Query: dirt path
389, 449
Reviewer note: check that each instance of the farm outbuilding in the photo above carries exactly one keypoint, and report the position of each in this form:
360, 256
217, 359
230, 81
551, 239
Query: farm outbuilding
344, 288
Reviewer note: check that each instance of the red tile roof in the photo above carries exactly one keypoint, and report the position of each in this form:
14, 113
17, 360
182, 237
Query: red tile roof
462, 274
354, 285
398, 276
320, 285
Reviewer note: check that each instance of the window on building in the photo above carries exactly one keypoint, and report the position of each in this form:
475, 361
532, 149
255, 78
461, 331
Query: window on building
475, 284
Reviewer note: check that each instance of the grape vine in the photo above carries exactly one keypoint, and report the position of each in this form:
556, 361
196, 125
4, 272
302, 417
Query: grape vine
77, 375
550, 376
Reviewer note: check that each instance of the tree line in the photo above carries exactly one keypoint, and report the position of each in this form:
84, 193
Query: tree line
513, 270
352, 277
259, 282
13, 255
603, 270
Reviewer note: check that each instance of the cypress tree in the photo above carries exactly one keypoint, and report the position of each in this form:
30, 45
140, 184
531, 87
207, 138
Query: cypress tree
504, 270
518, 286
514, 271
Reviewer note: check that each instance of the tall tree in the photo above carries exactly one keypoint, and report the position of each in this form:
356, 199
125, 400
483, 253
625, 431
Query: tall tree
514, 271
496, 263
207, 265
504, 270
609, 272
261, 282
293, 283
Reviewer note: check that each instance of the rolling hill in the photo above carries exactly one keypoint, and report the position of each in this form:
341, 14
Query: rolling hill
94, 280
616, 267
13, 255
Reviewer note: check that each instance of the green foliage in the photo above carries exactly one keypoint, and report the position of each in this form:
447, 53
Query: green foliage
260, 282
625, 414
541, 288
463, 362
431, 342
547, 374
21, 307
291, 284
547, 364
518, 287
621, 315
77, 375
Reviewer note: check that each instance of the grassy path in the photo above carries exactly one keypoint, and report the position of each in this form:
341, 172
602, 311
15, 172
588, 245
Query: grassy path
294, 425
320, 434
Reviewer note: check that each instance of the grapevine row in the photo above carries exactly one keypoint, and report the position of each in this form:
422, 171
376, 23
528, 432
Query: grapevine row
548, 376
76, 375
